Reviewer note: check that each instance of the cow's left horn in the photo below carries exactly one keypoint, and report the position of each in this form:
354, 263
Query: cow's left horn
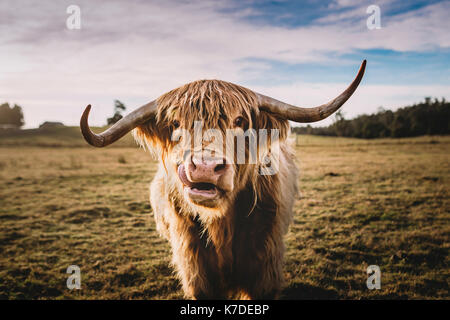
120, 128
299, 114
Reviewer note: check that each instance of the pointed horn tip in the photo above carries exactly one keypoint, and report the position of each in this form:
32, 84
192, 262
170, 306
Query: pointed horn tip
358, 78
363, 65
361, 72
90, 137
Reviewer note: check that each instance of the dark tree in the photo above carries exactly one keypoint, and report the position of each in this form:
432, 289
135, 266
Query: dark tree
118, 108
11, 115
429, 117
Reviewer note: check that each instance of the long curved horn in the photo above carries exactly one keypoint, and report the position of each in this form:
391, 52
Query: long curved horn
299, 114
120, 128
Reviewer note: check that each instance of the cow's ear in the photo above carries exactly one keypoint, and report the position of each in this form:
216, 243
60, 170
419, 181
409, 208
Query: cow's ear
152, 136
266, 120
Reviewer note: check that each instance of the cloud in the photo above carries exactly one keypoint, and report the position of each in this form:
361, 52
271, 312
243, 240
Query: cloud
135, 51
205, 29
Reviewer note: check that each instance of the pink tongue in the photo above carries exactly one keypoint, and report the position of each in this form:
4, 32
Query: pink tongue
183, 177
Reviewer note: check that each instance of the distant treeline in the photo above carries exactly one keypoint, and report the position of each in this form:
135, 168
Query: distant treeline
431, 117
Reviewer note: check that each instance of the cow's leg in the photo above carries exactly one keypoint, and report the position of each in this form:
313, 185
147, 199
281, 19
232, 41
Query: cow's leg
198, 278
246, 294
257, 291
261, 276
195, 261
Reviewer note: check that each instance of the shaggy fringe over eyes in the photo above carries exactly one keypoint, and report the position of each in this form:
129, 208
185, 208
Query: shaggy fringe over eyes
210, 101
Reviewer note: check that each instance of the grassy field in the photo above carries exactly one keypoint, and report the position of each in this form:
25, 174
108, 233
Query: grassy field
383, 202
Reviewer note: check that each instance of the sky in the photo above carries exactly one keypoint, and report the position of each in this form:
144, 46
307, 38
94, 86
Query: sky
301, 52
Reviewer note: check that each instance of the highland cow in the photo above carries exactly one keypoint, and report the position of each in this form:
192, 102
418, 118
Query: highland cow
225, 220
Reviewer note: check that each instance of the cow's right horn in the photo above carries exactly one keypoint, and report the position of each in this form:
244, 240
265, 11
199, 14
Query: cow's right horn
120, 128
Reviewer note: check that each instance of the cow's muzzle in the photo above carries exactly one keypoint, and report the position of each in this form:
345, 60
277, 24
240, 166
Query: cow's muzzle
206, 179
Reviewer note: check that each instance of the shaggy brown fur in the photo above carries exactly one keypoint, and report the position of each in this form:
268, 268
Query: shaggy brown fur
235, 250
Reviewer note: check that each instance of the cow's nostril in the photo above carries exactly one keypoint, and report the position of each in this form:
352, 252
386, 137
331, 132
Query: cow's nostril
220, 167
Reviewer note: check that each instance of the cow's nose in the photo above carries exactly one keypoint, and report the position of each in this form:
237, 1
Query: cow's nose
207, 170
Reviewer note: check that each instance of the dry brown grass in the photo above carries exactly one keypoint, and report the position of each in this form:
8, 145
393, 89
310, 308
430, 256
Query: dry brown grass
382, 202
